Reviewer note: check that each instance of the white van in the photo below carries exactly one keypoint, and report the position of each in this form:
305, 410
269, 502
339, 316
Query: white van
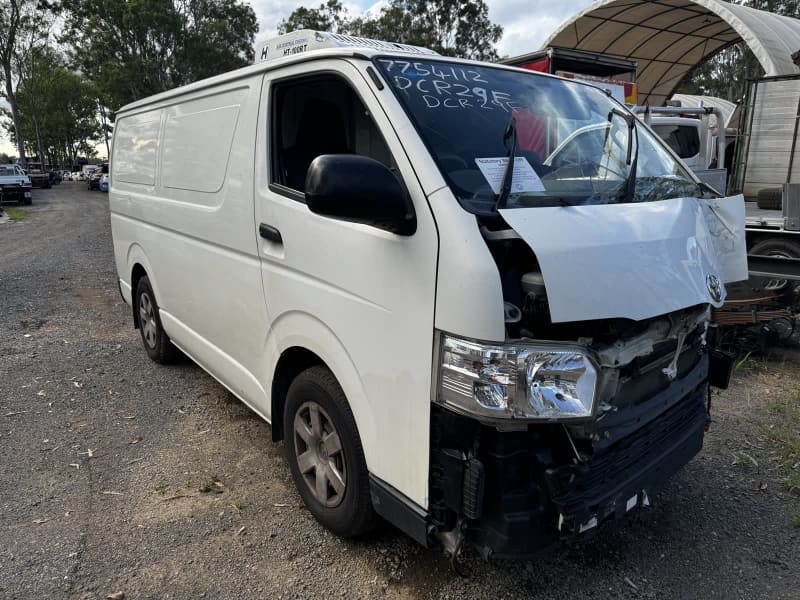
499, 356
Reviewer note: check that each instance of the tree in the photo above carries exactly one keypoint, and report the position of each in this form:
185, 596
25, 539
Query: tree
135, 48
59, 108
450, 27
24, 25
4, 158
330, 16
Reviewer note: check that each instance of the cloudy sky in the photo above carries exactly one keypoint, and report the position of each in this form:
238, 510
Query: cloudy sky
526, 23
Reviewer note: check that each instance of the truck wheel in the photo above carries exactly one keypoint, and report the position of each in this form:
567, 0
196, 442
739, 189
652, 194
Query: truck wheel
325, 454
770, 198
156, 342
776, 247
781, 249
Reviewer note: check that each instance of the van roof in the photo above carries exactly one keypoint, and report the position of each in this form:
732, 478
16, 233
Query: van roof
308, 40
295, 47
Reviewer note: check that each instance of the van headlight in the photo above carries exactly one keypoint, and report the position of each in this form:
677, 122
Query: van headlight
519, 381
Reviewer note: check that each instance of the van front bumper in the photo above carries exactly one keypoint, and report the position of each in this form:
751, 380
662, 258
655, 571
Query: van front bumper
514, 493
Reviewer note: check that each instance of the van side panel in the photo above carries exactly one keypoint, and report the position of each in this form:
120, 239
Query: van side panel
193, 221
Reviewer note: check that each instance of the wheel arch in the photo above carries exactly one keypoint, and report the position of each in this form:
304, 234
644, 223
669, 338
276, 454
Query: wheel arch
300, 341
138, 267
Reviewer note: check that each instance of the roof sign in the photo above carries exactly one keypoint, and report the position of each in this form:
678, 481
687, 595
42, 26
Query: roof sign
306, 40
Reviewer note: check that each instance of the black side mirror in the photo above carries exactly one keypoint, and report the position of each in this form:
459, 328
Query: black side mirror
359, 189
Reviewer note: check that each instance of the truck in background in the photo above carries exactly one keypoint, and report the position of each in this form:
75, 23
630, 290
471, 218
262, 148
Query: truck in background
15, 185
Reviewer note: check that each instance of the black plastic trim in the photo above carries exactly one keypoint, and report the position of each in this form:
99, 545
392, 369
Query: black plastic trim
399, 510
375, 79
268, 232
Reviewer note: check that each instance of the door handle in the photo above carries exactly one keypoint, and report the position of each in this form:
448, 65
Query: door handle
268, 232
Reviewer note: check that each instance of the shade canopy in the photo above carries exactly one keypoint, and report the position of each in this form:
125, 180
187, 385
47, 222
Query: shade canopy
668, 38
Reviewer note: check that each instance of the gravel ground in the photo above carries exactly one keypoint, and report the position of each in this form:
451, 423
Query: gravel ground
118, 475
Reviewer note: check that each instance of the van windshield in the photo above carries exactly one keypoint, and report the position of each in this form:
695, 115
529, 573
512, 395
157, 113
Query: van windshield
570, 140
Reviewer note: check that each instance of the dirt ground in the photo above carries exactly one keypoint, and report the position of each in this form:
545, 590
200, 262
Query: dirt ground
119, 475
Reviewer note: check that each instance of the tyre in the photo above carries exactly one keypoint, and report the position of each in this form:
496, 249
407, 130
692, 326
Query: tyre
156, 342
776, 247
770, 198
779, 248
325, 454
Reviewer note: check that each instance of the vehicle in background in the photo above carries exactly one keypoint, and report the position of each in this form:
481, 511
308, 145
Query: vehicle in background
40, 178
15, 185
688, 138
611, 73
76, 176
103, 186
96, 175
55, 177
769, 130
94, 180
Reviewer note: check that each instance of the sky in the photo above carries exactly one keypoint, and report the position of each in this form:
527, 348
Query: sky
526, 23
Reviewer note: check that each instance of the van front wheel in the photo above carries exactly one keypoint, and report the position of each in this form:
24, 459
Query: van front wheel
156, 342
325, 454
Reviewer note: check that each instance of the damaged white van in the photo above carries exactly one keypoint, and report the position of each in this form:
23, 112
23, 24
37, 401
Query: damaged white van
470, 299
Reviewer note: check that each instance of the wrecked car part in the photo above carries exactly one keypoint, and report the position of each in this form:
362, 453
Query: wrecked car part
677, 244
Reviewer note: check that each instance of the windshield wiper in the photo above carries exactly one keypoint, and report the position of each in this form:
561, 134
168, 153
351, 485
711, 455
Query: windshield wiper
707, 188
508, 175
630, 158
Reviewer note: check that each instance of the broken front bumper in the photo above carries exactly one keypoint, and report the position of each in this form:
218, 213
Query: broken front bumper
513, 493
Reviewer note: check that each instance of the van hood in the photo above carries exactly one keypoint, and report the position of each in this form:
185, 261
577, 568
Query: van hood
635, 261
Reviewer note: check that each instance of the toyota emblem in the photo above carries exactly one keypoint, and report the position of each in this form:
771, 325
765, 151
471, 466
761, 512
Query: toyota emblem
714, 287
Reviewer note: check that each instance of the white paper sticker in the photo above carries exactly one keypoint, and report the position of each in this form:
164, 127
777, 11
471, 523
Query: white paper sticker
525, 178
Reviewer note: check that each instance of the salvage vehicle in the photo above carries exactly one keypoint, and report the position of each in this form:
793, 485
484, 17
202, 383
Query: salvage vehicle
40, 178
495, 334
15, 185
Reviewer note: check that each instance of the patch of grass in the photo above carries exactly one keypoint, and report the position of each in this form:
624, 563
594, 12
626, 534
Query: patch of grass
16, 214
782, 433
743, 459
750, 365
211, 486
796, 521
161, 488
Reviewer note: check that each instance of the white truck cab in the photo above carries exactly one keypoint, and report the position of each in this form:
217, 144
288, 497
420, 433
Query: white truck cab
15, 185
453, 319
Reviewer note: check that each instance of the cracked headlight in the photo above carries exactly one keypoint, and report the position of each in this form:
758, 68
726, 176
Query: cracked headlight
519, 381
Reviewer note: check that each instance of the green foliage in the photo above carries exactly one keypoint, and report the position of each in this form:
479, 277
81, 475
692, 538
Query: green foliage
135, 48
58, 106
5, 159
450, 27
330, 16
782, 433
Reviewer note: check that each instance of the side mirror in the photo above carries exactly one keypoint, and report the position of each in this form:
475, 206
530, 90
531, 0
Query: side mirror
359, 189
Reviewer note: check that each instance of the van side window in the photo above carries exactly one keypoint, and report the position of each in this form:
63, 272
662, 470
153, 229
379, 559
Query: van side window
319, 115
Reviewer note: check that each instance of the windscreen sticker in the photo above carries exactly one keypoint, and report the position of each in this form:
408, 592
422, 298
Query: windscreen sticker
524, 179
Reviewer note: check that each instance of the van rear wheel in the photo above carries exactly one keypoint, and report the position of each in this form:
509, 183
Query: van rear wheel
325, 454
156, 341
